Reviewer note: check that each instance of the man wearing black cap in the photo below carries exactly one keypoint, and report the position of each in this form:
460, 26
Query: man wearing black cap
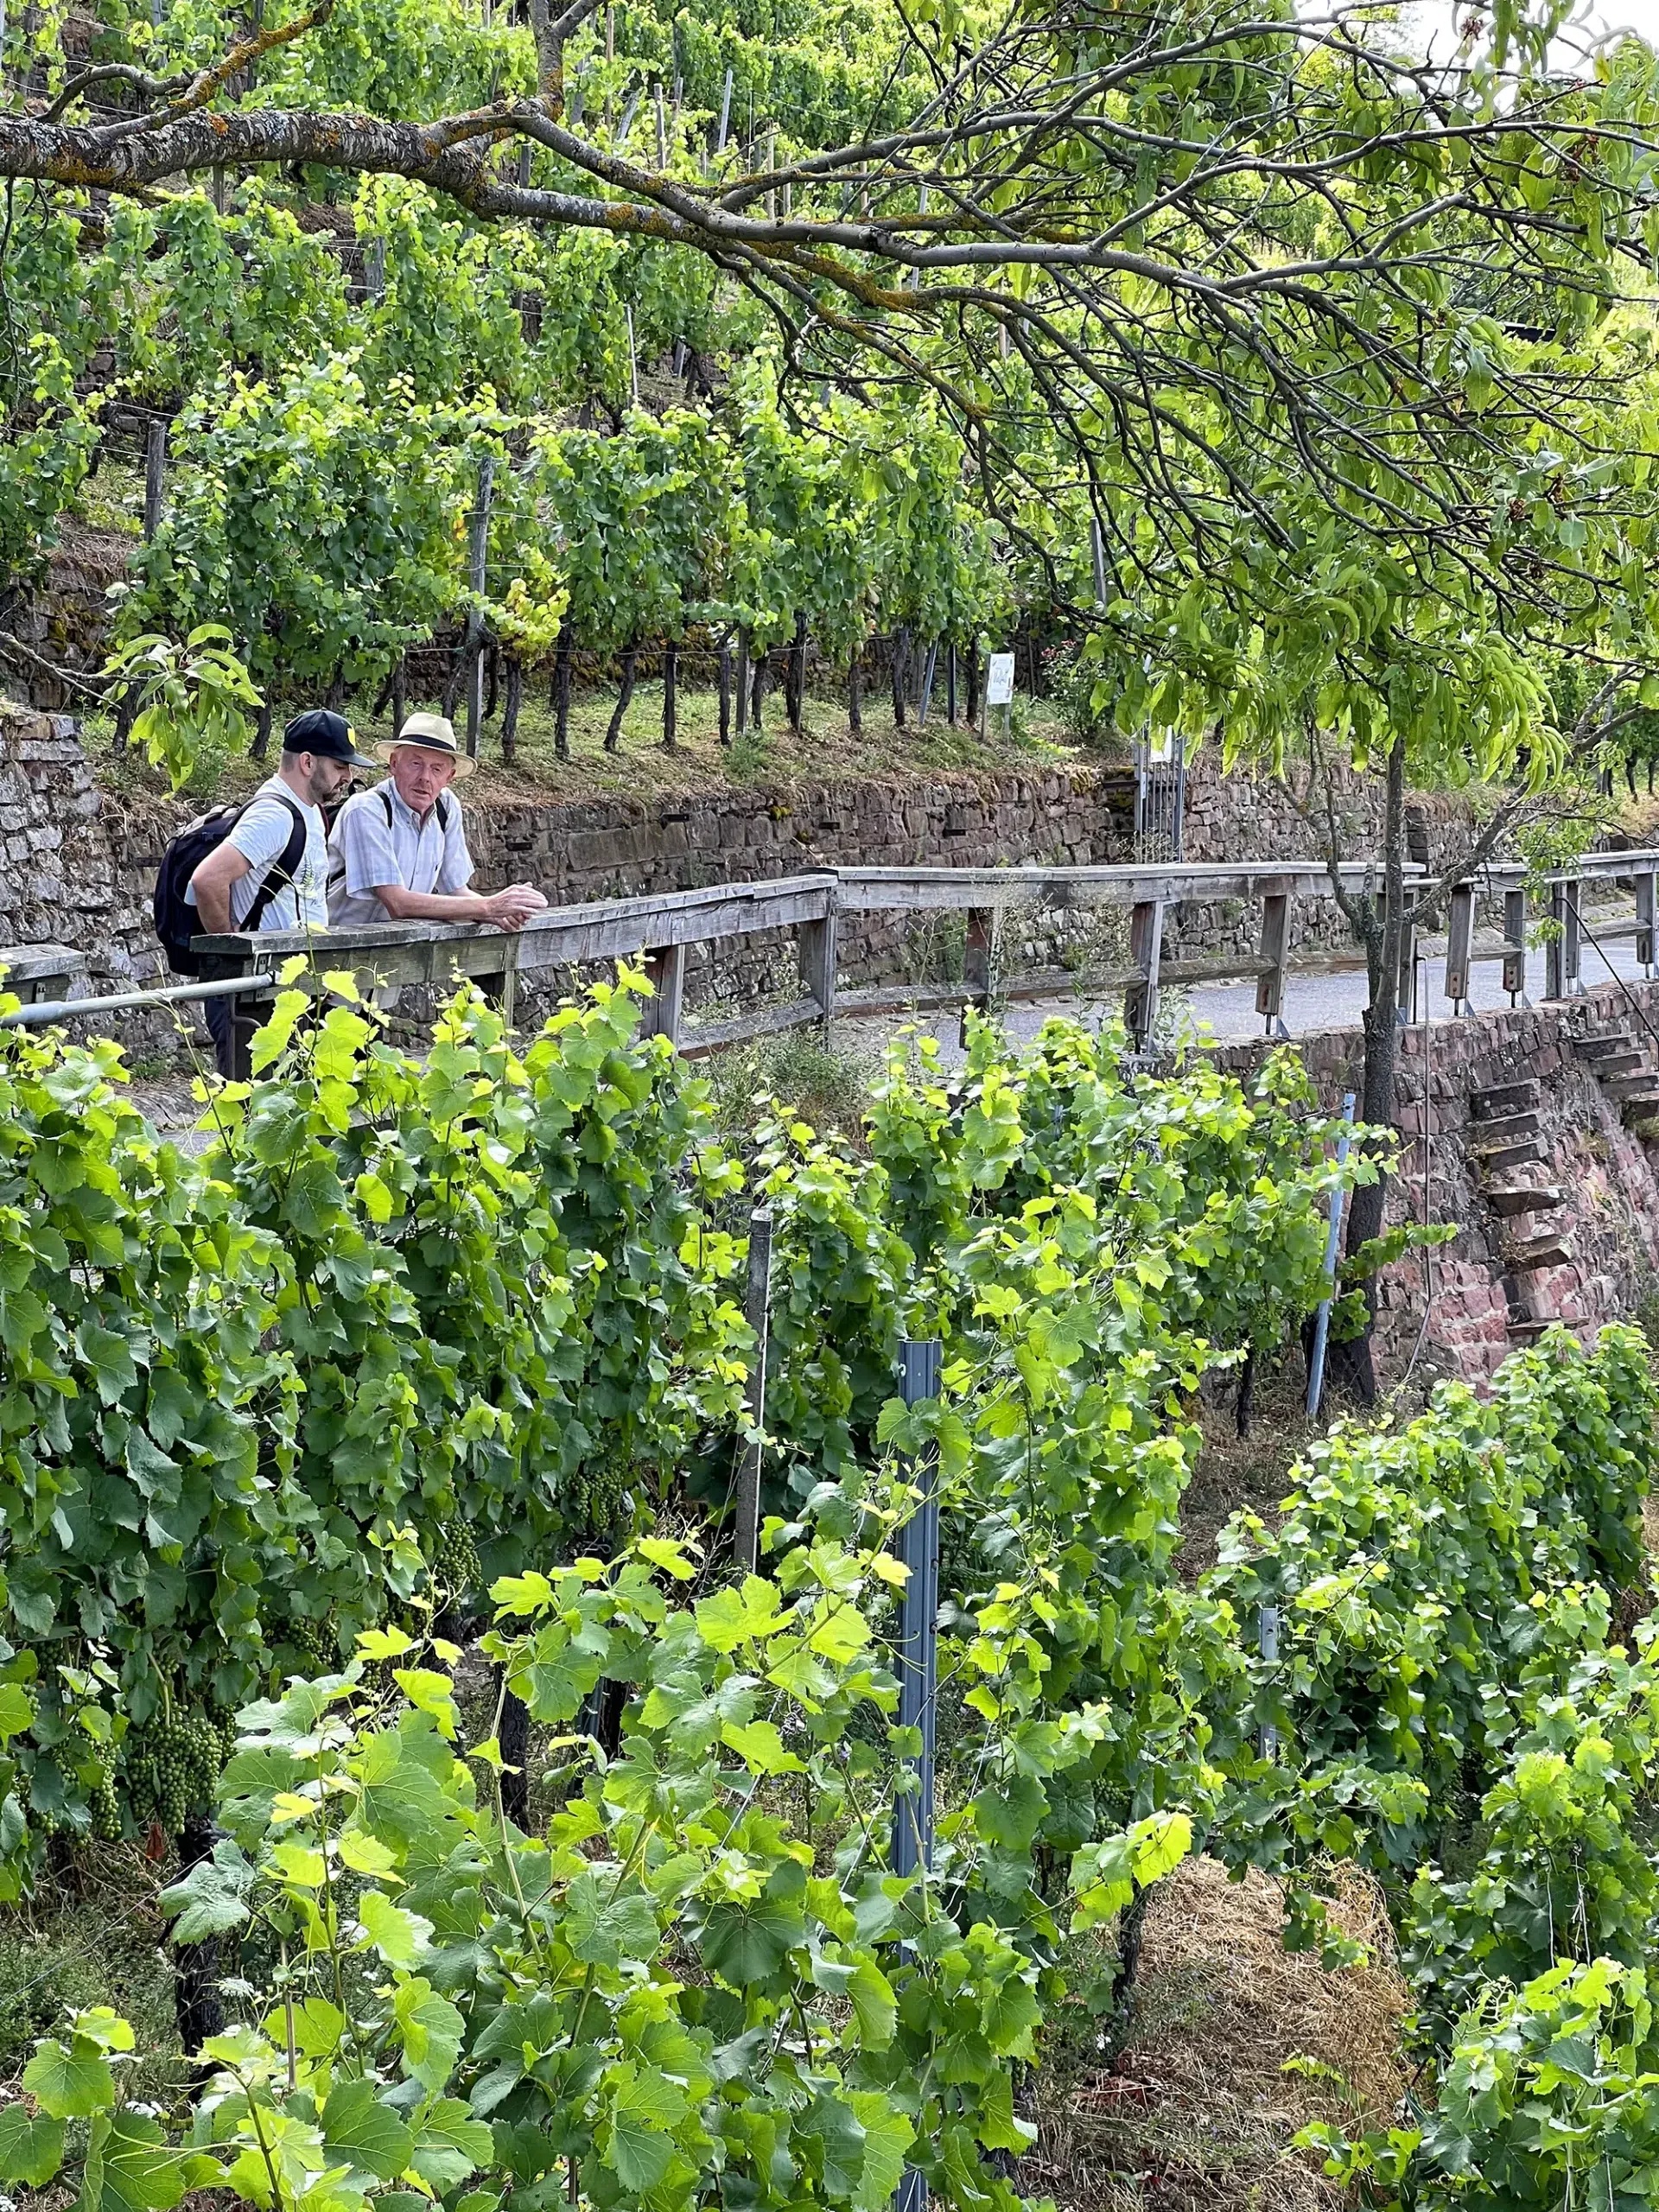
271, 872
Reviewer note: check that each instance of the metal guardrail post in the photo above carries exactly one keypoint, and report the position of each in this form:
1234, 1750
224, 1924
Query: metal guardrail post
1514, 932
1146, 937
1275, 946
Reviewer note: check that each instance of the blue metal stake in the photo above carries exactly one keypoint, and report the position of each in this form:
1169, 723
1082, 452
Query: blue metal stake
1322, 1318
919, 1648
919, 1612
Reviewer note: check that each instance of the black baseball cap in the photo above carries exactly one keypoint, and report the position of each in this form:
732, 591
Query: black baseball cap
330, 735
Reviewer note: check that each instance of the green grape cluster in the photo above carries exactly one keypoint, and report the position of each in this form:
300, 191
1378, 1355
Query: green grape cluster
106, 1811
456, 1569
318, 1641
172, 1764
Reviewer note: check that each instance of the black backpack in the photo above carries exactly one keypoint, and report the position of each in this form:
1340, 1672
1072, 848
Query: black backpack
177, 922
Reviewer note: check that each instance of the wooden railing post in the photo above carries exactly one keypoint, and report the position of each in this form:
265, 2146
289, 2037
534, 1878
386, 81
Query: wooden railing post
1459, 945
1275, 947
665, 966
1141, 1003
1647, 914
1515, 935
818, 947
979, 961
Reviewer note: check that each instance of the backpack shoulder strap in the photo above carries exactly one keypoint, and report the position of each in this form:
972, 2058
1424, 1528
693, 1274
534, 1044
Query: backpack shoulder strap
385, 799
443, 814
279, 876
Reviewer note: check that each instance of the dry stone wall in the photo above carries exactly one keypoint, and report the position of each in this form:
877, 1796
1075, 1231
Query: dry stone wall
77, 863
1501, 1274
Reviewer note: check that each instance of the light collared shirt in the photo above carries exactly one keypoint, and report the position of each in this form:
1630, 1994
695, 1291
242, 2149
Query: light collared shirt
261, 836
379, 839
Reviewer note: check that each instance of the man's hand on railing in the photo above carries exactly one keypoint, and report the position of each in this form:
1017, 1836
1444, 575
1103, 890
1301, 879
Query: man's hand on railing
511, 908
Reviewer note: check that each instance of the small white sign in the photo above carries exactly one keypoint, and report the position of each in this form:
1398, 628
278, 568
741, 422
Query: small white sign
999, 681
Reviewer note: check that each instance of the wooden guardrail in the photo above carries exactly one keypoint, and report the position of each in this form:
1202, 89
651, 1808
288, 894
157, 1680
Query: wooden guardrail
657, 932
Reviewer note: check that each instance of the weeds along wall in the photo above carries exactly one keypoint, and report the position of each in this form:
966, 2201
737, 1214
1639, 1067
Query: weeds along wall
685, 1972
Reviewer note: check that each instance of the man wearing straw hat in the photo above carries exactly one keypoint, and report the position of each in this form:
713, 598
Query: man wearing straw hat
398, 853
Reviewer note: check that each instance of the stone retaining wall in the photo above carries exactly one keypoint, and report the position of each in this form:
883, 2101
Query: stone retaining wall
1608, 1176
78, 863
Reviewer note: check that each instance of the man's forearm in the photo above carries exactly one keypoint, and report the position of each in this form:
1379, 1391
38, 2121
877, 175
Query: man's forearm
403, 906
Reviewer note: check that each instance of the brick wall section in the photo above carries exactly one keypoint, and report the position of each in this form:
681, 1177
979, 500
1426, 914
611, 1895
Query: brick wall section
1610, 1178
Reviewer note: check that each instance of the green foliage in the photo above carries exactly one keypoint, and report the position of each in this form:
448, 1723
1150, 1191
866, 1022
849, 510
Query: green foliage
699, 1983
250, 1395
189, 700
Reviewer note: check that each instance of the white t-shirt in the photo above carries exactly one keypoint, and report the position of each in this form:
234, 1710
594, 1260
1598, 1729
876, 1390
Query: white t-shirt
261, 836
378, 838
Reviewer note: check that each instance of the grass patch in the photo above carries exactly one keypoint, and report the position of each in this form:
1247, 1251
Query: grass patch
92, 1935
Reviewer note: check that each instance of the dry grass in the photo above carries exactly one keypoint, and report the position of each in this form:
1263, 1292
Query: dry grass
1238, 1473
1238, 2045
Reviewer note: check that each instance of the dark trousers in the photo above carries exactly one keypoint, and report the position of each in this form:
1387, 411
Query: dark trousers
231, 1027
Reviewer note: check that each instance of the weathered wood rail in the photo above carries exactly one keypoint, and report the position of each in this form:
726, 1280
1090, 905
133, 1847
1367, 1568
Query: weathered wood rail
656, 933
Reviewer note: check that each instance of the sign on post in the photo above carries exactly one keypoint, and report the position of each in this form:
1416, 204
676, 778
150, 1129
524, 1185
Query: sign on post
999, 681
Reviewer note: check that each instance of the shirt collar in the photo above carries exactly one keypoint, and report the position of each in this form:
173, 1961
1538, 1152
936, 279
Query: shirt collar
417, 821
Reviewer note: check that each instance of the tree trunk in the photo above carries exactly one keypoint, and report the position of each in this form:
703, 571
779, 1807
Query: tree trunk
337, 688
950, 684
613, 734
562, 696
854, 701
196, 2003
671, 700
513, 1743
795, 676
725, 691
1352, 1368
399, 695
757, 696
515, 696
899, 658
261, 745
492, 683
742, 682
973, 685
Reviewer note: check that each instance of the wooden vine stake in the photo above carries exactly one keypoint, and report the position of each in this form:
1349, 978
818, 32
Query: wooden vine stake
154, 474
477, 577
